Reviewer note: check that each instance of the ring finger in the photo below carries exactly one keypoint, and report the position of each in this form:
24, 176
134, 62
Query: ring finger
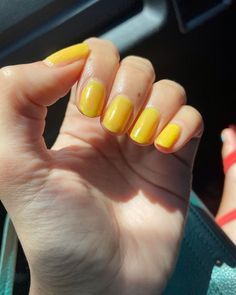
164, 101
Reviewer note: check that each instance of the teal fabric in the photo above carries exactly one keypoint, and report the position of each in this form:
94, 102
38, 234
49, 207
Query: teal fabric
223, 279
8, 258
204, 249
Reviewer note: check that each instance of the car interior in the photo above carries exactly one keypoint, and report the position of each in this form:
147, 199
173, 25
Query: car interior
190, 42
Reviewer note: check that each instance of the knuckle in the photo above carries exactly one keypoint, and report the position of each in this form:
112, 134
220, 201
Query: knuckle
195, 116
103, 43
10, 78
176, 89
13, 82
12, 74
140, 63
111, 46
91, 39
8, 72
194, 112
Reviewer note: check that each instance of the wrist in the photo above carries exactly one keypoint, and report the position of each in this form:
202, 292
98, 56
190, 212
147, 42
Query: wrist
61, 275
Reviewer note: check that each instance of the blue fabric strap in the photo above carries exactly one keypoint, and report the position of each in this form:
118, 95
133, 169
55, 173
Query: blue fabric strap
223, 280
8, 258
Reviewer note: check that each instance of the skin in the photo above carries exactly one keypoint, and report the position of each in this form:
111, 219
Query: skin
96, 213
229, 197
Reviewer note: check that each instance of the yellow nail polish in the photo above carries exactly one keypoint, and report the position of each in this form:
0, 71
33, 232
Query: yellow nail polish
168, 136
145, 127
92, 99
69, 54
118, 114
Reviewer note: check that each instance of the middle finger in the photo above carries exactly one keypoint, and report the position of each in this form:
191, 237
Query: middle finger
130, 90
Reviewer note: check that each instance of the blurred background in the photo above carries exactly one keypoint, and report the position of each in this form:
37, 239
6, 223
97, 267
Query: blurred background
191, 42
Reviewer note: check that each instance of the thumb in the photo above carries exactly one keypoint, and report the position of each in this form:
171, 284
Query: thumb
27, 90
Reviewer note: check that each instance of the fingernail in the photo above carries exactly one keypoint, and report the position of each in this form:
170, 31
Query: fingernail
92, 99
118, 114
145, 127
168, 136
68, 55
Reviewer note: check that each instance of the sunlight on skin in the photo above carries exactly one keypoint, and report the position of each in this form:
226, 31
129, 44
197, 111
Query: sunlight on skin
96, 213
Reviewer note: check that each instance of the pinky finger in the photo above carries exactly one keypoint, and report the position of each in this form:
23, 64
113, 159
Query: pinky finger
186, 124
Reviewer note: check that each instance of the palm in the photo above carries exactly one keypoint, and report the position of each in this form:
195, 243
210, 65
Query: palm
127, 202
96, 214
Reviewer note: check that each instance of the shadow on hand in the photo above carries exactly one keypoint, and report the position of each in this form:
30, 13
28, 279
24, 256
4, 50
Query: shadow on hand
101, 165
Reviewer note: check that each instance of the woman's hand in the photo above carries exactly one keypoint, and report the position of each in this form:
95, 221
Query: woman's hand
102, 211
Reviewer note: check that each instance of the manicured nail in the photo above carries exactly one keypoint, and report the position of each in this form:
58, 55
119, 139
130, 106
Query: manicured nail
68, 55
92, 99
168, 136
118, 114
145, 127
